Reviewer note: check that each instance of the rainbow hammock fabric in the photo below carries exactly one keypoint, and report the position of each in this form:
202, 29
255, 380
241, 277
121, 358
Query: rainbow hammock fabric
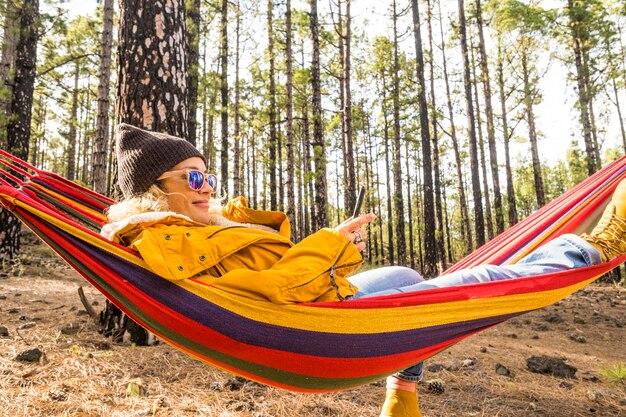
315, 347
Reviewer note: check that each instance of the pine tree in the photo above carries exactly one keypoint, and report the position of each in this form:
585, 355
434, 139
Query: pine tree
18, 128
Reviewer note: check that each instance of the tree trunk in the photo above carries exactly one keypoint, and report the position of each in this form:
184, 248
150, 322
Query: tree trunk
409, 211
291, 200
192, 46
346, 112
310, 222
510, 190
578, 30
83, 138
398, 199
439, 232
614, 70
532, 131
71, 140
102, 123
623, 53
18, 128
319, 147
491, 135
279, 164
419, 214
150, 36
466, 230
224, 94
272, 145
39, 120
481, 149
377, 240
592, 117
237, 110
10, 39
479, 221
388, 171
340, 46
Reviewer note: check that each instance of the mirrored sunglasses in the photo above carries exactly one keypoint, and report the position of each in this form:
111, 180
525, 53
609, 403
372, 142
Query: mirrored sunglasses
195, 178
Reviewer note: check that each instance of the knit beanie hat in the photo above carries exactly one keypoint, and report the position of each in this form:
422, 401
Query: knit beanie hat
142, 157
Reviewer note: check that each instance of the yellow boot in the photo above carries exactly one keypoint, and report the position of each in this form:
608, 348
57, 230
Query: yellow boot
400, 403
609, 236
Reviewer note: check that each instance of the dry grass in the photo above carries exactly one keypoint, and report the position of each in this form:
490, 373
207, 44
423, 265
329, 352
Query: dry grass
82, 374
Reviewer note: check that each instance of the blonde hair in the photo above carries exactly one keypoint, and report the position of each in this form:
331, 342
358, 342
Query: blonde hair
155, 199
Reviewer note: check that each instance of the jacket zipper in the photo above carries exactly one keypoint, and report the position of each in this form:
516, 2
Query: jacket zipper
331, 272
225, 228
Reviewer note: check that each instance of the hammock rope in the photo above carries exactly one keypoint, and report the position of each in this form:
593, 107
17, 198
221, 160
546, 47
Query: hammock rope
314, 347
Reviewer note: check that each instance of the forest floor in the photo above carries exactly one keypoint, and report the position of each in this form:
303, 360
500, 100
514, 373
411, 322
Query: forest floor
81, 373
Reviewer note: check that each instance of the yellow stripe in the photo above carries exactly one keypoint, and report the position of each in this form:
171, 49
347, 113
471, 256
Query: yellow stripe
585, 226
80, 234
338, 320
69, 201
384, 319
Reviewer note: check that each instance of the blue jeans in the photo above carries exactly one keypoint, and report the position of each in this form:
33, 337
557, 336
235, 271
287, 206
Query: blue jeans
564, 252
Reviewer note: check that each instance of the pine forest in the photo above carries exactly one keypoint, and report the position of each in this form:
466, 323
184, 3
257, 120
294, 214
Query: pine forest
458, 117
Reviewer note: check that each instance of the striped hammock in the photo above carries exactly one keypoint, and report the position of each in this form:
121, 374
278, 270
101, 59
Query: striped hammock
315, 347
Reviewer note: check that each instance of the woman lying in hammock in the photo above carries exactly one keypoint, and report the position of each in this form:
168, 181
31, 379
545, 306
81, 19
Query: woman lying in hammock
169, 217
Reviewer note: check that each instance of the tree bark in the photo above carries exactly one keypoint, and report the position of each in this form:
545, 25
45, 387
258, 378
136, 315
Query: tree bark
491, 135
346, 111
409, 210
291, 198
390, 216
398, 198
18, 128
510, 190
466, 230
481, 148
192, 46
613, 67
224, 95
71, 140
319, 147
592, 117
440, 249
479, 221
237, 180
532, 131
152, 68
152, 92
429, 216
10, 39
310, 221
104, 85
272, 145
578, 33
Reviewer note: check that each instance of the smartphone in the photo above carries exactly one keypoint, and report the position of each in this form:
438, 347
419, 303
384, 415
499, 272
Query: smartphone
359, 202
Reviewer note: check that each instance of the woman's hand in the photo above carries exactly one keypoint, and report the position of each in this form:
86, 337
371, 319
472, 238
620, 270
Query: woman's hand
352, 228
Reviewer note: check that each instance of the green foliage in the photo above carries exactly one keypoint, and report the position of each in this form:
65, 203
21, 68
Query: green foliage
525, 17
612, 154
577, 163
615, 373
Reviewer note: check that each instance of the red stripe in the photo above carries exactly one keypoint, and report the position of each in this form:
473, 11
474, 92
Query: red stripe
507, 243
291, 362
539, 283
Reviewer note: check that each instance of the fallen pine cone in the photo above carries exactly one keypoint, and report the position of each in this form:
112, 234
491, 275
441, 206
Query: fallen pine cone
436, 386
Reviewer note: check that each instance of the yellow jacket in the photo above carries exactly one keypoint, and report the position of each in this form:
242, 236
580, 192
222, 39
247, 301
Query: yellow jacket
239, 257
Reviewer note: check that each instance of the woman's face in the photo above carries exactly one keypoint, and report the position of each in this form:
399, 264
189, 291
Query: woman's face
181, 198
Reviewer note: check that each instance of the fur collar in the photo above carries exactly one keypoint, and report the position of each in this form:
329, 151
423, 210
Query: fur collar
111, 229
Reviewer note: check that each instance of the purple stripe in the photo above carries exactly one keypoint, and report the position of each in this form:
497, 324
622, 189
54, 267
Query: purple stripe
49, 186
275, 337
